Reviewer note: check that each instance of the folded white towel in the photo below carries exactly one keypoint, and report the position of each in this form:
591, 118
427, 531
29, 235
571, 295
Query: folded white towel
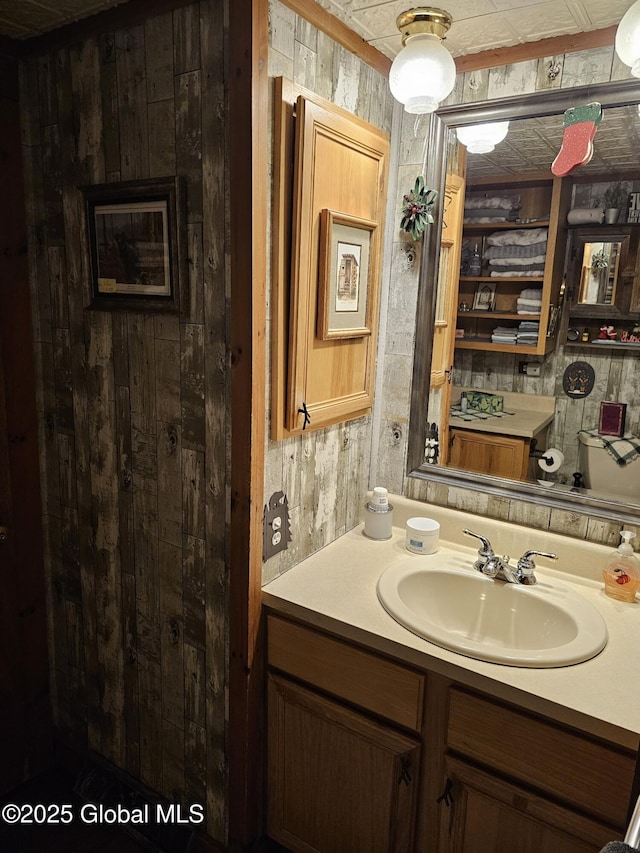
517, 237
501, 202
516, 251
517, 262
514, 274
531, 293
527, 307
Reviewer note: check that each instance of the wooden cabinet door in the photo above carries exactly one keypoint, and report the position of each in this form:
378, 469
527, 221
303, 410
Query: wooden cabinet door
499, 455
484, 813
444, 326
338, 782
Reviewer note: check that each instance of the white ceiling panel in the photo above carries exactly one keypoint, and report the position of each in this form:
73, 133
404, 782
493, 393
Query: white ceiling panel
477, 24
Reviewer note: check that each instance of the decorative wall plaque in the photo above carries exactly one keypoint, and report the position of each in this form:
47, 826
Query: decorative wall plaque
578, 379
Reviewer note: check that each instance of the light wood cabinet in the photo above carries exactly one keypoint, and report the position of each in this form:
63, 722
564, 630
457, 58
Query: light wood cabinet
545, 201
499, 455
360, 746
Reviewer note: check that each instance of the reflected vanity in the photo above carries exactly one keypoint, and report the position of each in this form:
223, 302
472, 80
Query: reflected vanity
590, 300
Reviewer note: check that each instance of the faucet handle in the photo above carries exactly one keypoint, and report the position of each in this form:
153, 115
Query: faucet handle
526, 565
486, 550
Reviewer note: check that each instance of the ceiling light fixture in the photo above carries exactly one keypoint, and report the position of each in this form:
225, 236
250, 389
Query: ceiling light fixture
423, 73
628, 39
482, 138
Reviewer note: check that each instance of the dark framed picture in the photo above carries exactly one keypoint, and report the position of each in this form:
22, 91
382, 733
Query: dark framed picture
135, 234
612, 419
347, 276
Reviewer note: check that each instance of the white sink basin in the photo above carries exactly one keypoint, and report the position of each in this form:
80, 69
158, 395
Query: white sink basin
462, 610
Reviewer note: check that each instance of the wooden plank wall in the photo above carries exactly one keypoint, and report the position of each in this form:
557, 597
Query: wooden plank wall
134, 407
325, 474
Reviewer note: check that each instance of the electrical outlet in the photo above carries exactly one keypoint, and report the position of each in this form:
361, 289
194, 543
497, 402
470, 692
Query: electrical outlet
276, 533
529, 368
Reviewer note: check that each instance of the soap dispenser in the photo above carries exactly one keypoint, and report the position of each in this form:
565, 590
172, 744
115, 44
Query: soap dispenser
378, 515
622, 574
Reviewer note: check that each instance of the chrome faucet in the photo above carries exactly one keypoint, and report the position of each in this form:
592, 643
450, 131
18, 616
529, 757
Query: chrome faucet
499, 568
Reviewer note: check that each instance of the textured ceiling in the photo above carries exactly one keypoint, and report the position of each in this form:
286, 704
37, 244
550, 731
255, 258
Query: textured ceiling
481, 24
21, 19
532, 145
477, 24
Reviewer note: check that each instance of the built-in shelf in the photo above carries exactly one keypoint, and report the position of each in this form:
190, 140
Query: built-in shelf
487, 346
497, 279
500, 226
498, 315
607, 345
543, 202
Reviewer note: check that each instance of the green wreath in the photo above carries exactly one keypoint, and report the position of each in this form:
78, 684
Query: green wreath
417, 211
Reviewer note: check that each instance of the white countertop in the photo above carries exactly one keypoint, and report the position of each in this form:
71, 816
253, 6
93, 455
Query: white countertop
335, 589
529, 414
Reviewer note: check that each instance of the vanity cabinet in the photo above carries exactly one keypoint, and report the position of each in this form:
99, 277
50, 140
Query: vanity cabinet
366, 754
544, 203
499, 455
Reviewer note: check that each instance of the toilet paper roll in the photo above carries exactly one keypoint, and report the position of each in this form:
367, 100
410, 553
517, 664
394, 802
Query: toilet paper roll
585, 215
551, 460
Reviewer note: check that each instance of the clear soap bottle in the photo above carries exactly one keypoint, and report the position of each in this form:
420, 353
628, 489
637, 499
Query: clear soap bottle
622, 574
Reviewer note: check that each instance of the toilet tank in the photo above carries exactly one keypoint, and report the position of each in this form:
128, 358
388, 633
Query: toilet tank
603, 474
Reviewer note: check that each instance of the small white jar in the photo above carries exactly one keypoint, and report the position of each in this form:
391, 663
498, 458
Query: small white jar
422, 535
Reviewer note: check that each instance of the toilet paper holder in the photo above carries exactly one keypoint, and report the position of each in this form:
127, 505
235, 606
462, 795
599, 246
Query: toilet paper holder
550, 459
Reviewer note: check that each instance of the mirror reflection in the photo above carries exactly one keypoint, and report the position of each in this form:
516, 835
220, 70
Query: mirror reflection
599, 273
524, 312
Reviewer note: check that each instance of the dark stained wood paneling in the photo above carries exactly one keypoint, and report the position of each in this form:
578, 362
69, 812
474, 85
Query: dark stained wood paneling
134, 407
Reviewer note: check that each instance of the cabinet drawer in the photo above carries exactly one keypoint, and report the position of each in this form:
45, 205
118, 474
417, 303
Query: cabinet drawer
576, 769
368, 681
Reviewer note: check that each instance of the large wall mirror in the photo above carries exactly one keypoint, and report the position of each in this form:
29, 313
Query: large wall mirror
616, 98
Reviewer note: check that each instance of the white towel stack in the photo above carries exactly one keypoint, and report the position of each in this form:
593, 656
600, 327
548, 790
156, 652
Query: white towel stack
530, 301
518, 253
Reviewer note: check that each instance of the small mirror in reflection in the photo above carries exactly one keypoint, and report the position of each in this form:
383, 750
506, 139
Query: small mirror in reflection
599, 274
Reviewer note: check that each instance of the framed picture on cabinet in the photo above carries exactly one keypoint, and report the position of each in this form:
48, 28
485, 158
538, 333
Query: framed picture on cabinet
135, 234
484, 300
345, 276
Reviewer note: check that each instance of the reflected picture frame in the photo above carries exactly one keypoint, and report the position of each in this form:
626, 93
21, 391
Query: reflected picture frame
347, 276
135, 234
485, 296
612, 419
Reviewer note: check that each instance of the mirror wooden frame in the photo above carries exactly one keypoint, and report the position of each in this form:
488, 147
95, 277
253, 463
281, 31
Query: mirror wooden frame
580, 238
536, 105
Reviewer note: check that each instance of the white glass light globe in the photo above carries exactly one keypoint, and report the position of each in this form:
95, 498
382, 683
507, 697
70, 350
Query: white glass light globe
482, 138
422, 74
628, 39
